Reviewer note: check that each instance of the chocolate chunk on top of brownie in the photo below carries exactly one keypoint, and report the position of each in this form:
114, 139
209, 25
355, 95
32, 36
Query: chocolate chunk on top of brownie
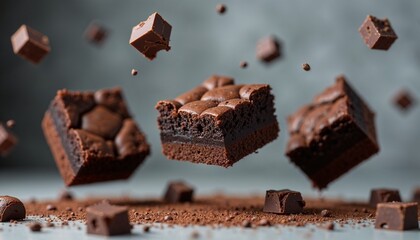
331, 135
93, 137
218, 122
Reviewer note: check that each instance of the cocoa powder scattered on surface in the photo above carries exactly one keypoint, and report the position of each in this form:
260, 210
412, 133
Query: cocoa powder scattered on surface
221, 210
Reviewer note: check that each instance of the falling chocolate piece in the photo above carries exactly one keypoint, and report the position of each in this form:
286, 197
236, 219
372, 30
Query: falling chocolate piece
30, 44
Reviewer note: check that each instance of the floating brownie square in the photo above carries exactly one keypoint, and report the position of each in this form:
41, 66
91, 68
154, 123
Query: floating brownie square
268, 49
396, 216
7, 140
151, 36
93, 137
331, 135
178, 192
107, 220
218, 122
382, 195
30, 44
404, 100
283, 202
377, 33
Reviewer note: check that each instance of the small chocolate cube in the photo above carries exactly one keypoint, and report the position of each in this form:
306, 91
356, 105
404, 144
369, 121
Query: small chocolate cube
178, 192
404, 100
151, 36
107, 220
396, 216
268, 49
95, 33
283, 202
383, 195
377, 33
30, 44
7, 140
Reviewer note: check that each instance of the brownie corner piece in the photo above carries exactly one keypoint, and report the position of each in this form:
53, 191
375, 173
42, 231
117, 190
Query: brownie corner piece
217, 122
93, 137
331, 135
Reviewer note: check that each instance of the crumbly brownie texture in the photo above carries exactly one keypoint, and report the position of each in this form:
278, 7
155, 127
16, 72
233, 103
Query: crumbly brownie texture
92, 136
331, 135
214, 210
218, 122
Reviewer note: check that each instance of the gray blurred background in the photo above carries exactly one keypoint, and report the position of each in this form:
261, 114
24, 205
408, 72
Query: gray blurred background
322, 33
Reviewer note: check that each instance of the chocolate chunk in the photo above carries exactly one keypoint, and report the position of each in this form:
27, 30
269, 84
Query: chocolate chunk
218, 122
35, 227
331, 135
221, 8
268, 49
107, 220
151, 36
102, 122
396, 216
92, 136
283, 202
96, 33
377, 33
382, 195
306, 67
178, 192
243, 64
416, 195
65, 196
134, 72
7, 141
30, 44
11, 208
404, 100
10, 123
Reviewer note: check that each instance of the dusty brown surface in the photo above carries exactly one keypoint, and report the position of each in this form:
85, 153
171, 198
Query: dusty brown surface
225, 211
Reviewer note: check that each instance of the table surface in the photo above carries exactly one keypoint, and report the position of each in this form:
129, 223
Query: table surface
355, 186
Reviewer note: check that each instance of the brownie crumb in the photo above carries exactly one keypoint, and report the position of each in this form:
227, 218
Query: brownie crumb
264, 222
10, 123
328, 226
221, 8
50, 224
51, 207
35, 227
195, 235
65, 196
325, 213
168, 218
134, 72
243, 64
306, 67
246, 224
146, 229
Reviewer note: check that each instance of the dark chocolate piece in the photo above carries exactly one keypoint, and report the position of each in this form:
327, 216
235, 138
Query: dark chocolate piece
30, 44
306, 67
35, 227
217, 123
283, 202
396, 216
268, 49
107, 220
11, 208
382, 195
7, 141
377, 33
151, 36
134, 72
331, 135
221, 8
96, 33
92, 136
404, 100
178, 192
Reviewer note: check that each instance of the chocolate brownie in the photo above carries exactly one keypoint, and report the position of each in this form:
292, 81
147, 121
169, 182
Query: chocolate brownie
331, 135
93, 137
218, 122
